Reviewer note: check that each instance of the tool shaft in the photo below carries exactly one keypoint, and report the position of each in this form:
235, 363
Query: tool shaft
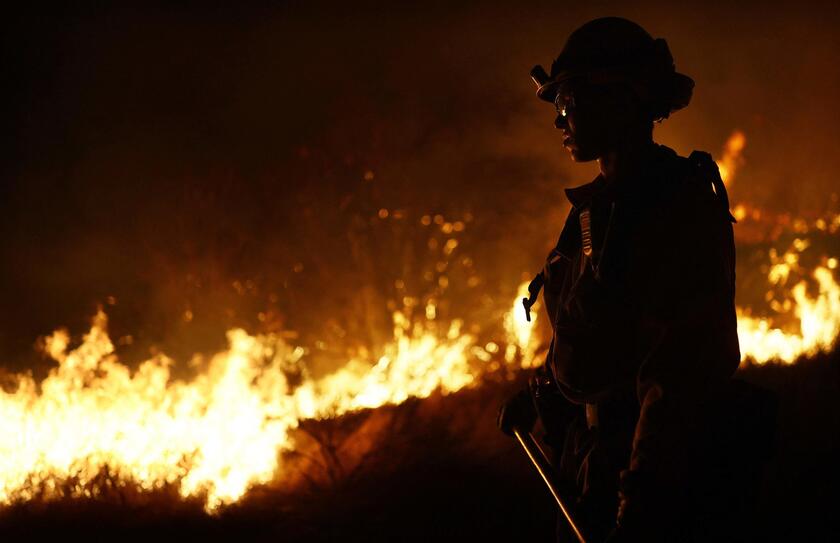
540, 461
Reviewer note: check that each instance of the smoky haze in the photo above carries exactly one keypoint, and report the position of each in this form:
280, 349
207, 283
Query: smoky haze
222, 163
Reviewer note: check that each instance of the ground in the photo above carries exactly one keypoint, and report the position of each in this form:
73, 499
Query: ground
437, 470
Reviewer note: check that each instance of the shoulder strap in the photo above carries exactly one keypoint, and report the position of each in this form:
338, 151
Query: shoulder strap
566, 245
709, 170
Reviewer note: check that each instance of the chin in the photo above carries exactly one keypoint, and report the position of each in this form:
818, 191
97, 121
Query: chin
582, 156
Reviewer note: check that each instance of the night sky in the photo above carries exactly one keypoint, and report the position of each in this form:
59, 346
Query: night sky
158, 155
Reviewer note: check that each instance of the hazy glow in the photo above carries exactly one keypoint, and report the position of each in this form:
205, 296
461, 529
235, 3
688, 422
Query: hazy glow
222, 432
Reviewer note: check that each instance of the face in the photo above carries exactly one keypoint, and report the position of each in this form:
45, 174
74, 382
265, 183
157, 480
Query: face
594, 120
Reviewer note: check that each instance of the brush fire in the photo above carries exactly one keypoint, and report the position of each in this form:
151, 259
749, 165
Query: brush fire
224, 431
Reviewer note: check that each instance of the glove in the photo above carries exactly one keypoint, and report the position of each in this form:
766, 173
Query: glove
553, 409
518, 412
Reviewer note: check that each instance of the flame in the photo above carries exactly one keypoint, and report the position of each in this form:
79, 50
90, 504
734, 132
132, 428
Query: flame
221, 433
215, 436
731, 158
520, 332
417, 363
818, 316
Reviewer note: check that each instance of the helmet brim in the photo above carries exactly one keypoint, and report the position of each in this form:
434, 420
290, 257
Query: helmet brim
548, 90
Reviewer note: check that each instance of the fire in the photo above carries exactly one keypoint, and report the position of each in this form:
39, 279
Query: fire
520, 332
417, 363
221, 433
818, 317
731, 158
215, 436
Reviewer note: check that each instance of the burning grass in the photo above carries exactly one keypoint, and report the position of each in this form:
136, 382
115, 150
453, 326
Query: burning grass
286, 422
437, 469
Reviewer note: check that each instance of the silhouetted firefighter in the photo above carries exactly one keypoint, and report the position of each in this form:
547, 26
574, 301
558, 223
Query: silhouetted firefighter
653, 439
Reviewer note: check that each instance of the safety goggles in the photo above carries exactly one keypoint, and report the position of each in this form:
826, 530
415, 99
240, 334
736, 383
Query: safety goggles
576, 94
565, 100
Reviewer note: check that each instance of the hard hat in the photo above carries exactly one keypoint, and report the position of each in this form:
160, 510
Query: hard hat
611, 50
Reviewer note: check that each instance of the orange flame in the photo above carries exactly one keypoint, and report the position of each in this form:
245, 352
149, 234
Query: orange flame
520, 332
219, 434
818, 316
731, 158
214, 436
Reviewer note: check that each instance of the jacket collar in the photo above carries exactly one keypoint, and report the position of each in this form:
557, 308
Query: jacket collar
582, 196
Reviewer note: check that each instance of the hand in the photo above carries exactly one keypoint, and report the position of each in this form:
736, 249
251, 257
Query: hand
553, 409
518, 412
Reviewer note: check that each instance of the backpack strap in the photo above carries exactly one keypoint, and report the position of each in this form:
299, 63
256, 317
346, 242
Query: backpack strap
709, 170
534, 288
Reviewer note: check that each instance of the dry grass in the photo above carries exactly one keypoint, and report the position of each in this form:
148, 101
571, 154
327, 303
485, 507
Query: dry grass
438, 470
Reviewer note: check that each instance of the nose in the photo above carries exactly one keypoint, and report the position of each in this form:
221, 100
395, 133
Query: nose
561, 123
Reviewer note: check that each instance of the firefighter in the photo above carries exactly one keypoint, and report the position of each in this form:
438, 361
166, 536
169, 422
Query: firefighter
636, 394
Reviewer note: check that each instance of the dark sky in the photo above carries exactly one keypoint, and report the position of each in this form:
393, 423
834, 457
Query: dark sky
153, 146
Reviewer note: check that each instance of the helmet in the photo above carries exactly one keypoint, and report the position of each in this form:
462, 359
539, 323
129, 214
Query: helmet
612, 50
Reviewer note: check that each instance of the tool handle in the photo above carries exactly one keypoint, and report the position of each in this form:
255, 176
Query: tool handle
540, 461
